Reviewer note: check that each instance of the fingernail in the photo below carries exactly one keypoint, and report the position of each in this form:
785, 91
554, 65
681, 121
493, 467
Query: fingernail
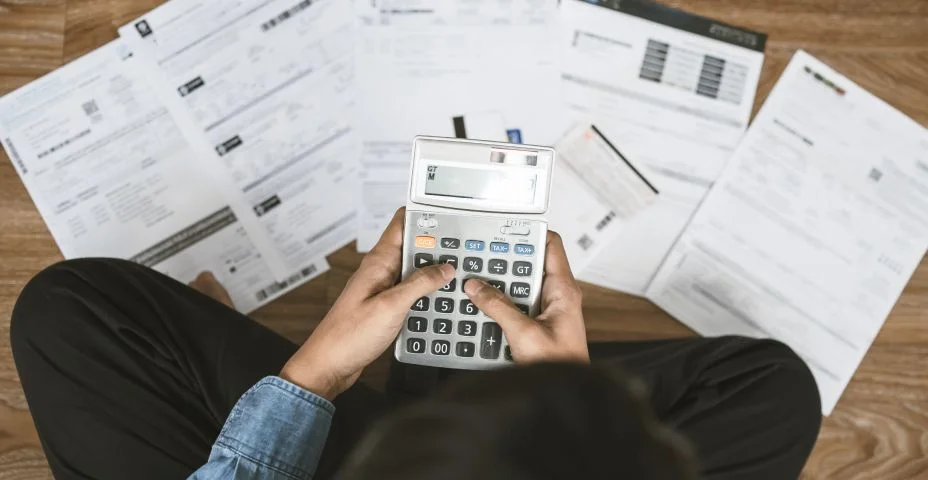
472, 286
447, 271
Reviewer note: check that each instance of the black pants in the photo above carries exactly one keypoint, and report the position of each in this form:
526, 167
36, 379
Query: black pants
130, 374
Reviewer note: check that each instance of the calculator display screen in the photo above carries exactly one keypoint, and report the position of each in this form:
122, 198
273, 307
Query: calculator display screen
516, 186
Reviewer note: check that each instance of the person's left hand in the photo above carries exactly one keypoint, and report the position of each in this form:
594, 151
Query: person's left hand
365, 319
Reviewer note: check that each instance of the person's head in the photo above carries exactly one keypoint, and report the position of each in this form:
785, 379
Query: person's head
550, 421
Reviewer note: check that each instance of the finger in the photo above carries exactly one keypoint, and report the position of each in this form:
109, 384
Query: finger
556, 263
392, 237
381, 266
422, 282
494, 304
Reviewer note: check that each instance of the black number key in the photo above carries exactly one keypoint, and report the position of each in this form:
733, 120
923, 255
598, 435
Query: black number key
415, 345
421, 305
519, 290
521, 269
424, 260
464, 349
417, 324
444, 305
468, 307
473, 264
496, 266
450, 260
442, 326
501, 286
467, 328
450, 286
491, 339
441, 347
522, 307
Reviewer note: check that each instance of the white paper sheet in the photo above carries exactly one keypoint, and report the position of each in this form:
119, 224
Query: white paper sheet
813, 230
594, 190
421, 65
264, 91
673, 92
112, 175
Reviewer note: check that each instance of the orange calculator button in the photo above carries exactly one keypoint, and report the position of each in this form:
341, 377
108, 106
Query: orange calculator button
424, 241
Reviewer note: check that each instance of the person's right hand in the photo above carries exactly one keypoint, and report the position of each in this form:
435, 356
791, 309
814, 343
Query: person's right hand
558, 333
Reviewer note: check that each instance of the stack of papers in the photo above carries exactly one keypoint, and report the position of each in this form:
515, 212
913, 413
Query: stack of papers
253, 138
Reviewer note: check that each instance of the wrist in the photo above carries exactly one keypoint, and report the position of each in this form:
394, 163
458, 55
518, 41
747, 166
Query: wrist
311, 380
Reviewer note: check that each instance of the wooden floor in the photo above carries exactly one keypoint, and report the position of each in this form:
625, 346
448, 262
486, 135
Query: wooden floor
880, 428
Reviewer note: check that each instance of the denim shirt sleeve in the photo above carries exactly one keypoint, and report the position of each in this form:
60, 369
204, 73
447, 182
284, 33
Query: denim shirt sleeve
276, 431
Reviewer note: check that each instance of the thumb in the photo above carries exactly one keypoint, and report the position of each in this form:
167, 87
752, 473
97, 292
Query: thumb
497, 306
422, 282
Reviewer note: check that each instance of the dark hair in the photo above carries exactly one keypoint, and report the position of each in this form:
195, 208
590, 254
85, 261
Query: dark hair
552, 421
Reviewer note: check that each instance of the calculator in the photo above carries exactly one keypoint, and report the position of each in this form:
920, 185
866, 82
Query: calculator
482, 207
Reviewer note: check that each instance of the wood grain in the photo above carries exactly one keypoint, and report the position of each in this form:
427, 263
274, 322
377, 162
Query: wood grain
878, 430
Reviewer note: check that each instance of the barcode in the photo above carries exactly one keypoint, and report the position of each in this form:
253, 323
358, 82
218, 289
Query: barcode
90, 107
275, 287
14, 155
63, 144
585, 242
286, 14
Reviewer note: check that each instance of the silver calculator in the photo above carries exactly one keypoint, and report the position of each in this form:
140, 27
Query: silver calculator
480, 206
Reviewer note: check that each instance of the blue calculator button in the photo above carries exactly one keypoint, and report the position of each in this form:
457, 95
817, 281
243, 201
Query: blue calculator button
476, 245
499, 247
523, 249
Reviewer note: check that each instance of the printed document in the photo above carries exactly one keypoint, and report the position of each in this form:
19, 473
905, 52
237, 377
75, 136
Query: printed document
264, 92
595, 188
813, 230
112, 175
481, 69
674, 92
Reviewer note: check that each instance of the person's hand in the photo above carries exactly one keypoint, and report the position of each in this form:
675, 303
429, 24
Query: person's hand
365, 319
558, 333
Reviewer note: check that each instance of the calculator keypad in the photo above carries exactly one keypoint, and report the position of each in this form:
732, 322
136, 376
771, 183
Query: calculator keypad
445, 328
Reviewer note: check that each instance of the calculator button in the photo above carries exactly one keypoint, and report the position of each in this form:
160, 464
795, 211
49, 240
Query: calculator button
522, 308
444, 305
415, 345
519, 290
464, 349
507, 353
523, 249
467, 328
449, 287
468, 307
475, 245
449, 259
417, 324
499, 247
441, 347
427, 222
501, 286
442, 326
490, 339
473, 264
515, 230
497, 266
521, 269
425, 241
450, 243
421, 305
424, 260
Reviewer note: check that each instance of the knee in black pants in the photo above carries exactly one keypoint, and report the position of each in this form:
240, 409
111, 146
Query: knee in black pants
791, 383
